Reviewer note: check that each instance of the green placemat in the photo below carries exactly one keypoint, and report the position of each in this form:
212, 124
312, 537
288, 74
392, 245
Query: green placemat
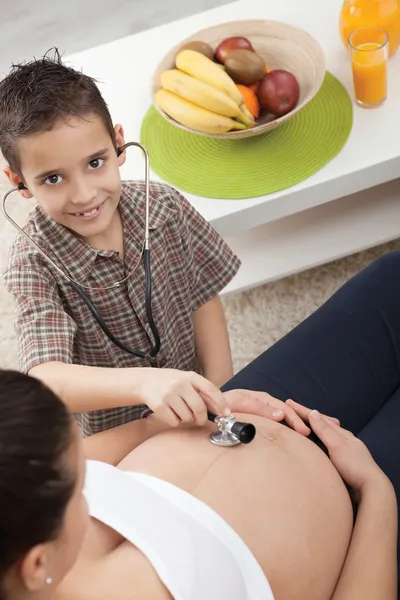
235, 169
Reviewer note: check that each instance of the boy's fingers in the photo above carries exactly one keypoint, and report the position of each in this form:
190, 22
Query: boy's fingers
181, 409
166, 414
212, 396
196, 405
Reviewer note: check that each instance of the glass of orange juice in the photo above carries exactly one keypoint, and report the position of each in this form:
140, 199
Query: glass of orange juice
369, 57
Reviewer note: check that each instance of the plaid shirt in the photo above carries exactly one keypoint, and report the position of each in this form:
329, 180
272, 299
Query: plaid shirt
190, 265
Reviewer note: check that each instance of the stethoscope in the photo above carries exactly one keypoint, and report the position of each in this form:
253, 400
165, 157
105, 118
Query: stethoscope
230, 432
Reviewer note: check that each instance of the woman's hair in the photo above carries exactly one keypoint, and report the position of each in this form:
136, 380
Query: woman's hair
36, 482
36, 95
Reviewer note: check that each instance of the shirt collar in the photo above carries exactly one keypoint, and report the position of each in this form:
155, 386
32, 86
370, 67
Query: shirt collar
133, 205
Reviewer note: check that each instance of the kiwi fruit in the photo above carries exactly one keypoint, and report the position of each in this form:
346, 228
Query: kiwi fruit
198, 46
245, 67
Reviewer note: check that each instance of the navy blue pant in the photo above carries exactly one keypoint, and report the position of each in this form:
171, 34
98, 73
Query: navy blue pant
344, 360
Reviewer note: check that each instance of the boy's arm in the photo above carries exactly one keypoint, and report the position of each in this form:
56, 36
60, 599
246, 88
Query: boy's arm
174, 396
84, 389
370, 570
210, 265
212, 342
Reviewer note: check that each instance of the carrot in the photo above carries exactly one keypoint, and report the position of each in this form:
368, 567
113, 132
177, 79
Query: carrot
250, 99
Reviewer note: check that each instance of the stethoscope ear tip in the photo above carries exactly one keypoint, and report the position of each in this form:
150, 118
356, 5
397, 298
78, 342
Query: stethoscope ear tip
21, 186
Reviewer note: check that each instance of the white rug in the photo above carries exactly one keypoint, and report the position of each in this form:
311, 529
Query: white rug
256, 318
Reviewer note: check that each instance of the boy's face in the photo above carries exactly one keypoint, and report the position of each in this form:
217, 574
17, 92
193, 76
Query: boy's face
73, 172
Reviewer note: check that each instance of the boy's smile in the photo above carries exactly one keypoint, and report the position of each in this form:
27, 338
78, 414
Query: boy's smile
73, 172
90, 213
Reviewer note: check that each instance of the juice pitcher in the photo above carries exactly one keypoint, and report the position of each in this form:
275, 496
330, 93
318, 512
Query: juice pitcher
376, 13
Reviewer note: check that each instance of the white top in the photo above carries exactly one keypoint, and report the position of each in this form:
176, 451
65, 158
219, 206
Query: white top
196, 554
371, 156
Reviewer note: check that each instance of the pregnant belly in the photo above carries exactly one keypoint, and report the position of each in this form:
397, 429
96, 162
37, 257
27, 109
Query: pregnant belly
280, 493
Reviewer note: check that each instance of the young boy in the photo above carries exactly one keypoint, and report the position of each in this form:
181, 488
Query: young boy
58, 139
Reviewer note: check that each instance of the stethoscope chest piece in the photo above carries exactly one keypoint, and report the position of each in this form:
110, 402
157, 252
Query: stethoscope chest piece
230, 433
224, 439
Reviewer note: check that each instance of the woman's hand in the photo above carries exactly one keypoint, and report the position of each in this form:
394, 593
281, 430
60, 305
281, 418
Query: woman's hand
264, 405
348, 454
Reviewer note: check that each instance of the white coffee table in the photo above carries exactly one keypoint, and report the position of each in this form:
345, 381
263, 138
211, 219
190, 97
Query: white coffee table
351, 204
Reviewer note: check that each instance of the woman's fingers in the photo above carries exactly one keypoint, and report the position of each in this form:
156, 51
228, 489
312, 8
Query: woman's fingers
304, 411
265, 405
331, 431
327, 431
348, 454
295, 421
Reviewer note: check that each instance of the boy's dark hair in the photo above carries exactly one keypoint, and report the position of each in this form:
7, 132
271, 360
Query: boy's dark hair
36, 482
35, 95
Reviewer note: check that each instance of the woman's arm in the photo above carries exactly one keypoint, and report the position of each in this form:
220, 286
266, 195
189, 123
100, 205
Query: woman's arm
370, 570
113, 445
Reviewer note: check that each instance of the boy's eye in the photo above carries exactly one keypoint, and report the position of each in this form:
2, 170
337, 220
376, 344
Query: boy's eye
52, 179
96, 163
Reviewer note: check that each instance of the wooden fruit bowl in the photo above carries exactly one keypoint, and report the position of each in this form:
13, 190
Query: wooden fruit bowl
281, 46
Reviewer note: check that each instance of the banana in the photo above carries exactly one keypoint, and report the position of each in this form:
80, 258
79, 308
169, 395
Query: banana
202, 94
193, 116
199, 66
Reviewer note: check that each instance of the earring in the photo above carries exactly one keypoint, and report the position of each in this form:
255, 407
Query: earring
49, 581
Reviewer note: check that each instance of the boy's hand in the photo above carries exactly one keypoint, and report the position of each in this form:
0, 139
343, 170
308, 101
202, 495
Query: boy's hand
182, 397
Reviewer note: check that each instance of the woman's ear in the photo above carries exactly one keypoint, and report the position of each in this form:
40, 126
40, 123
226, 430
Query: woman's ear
15, 179
120, 141
33, 569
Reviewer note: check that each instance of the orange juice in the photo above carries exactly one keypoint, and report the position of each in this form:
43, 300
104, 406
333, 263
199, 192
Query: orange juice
369, 64
378, 13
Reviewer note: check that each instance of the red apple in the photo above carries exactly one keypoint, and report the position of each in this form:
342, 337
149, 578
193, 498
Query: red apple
229, 44
278, 92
